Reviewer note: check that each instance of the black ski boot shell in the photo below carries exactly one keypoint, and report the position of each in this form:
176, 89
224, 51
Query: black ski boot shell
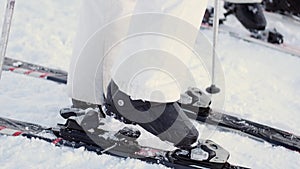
164, 120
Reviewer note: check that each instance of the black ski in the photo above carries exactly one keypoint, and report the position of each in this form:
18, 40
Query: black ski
262, 38
34, 70
224, 121
122, 144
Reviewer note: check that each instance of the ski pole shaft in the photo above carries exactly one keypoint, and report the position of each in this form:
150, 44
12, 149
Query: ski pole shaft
5, 30
216, 29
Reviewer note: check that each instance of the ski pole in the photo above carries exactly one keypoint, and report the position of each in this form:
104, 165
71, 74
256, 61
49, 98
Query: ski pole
213, 89
5, 30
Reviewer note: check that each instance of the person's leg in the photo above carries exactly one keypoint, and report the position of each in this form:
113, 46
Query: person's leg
165, 120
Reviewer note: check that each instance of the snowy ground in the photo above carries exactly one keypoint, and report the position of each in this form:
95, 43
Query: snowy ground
261, 85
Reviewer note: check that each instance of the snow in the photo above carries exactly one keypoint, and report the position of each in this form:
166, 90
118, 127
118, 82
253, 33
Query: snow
261, 85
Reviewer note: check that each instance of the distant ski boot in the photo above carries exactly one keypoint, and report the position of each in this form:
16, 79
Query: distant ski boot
250, 15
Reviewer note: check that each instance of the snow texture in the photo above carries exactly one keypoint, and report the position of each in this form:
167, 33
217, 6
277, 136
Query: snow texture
261, 85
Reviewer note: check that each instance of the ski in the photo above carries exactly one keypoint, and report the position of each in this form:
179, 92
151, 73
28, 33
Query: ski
285, 48
251, 38
18, 66
249, 128
121, 144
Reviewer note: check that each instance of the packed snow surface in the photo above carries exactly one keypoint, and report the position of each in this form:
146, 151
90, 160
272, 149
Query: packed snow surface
262, 85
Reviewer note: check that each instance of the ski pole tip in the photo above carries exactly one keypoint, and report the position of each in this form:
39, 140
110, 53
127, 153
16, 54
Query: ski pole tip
213, 89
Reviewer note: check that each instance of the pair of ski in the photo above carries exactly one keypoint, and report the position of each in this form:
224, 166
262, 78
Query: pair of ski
72, 137
228, 122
